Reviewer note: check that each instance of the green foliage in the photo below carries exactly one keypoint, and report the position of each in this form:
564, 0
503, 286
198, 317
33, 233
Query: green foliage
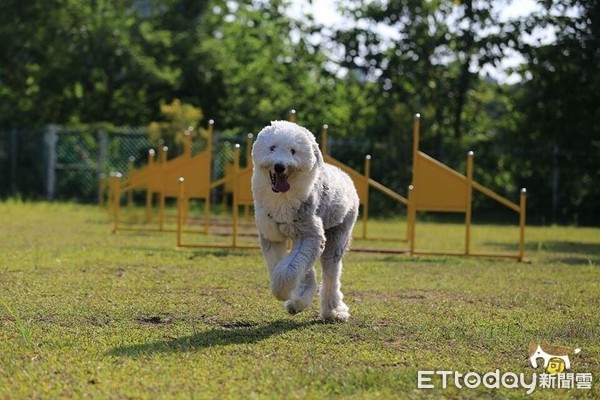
561, 96
244, 63
181, 119
264, 65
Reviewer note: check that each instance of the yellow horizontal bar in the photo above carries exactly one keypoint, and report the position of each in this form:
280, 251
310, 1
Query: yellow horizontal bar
496, 196
380, 239
462, 254
217, 246
388, 192
381, 251
125, 229
219, 182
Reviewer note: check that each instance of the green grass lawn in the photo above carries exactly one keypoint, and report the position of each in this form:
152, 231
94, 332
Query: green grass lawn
87, 313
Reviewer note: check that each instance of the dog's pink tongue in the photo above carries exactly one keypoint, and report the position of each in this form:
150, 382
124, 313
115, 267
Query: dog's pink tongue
281, 183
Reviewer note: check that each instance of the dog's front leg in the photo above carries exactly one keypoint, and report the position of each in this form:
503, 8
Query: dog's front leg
302, 259
303, 294
273, 253
294, 277
301, 263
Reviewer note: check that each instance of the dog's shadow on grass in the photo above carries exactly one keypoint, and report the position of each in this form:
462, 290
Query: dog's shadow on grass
225, 335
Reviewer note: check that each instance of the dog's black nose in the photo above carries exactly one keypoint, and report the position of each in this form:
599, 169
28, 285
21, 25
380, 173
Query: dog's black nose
279, 168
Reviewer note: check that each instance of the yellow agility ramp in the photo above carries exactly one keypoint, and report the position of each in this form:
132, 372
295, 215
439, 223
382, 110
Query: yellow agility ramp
239, 180
160, 177
436, 187
362, 182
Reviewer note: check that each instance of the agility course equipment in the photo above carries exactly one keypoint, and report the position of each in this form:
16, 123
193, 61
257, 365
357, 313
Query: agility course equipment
436, 187
160, 178
240, 181
362, 182
227, 180
237, 182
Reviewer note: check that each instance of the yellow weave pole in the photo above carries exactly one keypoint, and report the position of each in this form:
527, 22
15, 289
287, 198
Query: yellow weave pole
469, 189
366, 200
293, 116
180, 200
249, 141
130, 168
236, 171
187, 153
151, 154
115, 183
324, 139
161, 209
409, 227
412, 216
522, 206
187, 143
209, 150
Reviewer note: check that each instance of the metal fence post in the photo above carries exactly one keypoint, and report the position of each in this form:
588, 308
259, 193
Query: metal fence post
50, 139
102, 163
555, 181
12, 184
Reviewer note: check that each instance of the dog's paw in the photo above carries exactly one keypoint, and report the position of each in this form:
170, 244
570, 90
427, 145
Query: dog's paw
338, 314
294, 306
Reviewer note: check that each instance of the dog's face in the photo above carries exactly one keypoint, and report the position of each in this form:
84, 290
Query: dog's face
284, 151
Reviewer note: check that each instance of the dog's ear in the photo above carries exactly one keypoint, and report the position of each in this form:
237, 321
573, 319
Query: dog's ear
318, 155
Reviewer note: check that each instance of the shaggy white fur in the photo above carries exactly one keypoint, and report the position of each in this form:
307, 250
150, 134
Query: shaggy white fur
299, 197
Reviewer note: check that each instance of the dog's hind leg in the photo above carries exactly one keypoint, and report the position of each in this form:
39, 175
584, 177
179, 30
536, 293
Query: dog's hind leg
303, 293
332, 304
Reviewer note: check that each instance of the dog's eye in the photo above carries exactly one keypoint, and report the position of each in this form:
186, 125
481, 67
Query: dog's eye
293, 151
272, 148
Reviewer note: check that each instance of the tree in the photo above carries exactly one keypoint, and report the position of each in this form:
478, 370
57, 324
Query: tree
77, 61
180, 119
561, 125
263, 65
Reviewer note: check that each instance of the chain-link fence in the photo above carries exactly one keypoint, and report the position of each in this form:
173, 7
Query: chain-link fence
67, 163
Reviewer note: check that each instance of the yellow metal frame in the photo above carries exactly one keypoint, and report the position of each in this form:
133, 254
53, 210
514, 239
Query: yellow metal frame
227, 180
237, 181
159, 178
430, 178
240, 181
362, 182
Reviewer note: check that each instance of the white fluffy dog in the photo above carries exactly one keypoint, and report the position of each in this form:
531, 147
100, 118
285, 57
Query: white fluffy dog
299, 197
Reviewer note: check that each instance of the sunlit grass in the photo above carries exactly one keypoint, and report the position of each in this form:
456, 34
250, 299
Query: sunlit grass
88, 313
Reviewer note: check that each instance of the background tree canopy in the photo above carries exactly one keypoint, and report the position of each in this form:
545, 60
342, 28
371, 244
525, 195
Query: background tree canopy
244, 63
